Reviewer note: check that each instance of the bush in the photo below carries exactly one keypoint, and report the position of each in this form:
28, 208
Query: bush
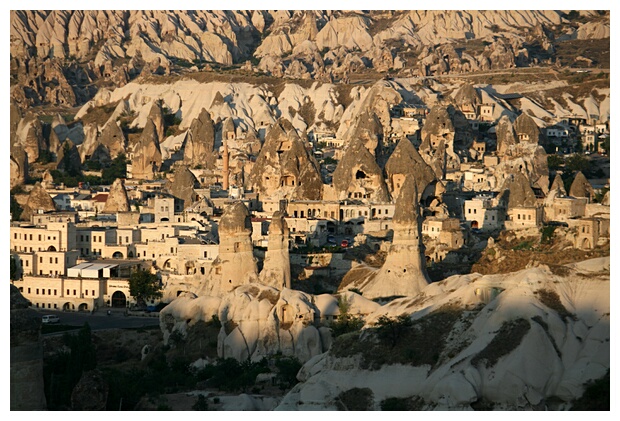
45, 157
507, 339
357, 399
288, 367
394, 404
346, 323
547, 234
392, 329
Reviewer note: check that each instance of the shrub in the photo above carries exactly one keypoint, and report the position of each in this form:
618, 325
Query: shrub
505, 341
392, 329
552, 300
357, 399
547, 234
394, 404
288, 367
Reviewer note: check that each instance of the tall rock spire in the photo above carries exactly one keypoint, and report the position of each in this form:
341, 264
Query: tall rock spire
277, 267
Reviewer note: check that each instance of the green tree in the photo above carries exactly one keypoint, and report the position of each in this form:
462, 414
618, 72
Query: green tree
14, 275
117, 169
16, 209
346, 322
554, 162
392, 329
578, 162
62, 371
288, 367
143, 286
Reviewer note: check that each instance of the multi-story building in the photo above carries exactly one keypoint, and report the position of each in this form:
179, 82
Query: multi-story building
482, 214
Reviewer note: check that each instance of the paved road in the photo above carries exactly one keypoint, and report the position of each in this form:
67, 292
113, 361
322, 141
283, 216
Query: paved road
101, 321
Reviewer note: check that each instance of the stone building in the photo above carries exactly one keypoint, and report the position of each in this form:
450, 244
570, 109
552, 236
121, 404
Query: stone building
484, 214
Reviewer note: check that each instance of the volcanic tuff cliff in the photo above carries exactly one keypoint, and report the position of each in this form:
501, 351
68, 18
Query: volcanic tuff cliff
469, 344
285, 167
57, 55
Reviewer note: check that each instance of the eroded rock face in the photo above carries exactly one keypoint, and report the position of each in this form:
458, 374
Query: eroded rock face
558, 184
581, 187
527, 158
404, 271
359, 174
526, 129
29, 135
487, 360
18, 166
200, 141
26, 351
146, 154
405, 160
113, 139
284, 167
117, 200
68, 159
235, 264
257, 321
276, 270
467, 97
182, 187
445, 133
517, 192
505, 135
38, 200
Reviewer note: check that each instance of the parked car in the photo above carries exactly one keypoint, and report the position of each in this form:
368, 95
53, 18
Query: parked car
344, 243
50, 318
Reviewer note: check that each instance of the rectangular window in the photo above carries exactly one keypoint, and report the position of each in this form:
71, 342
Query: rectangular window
26, 263
55, 292
28, 290
40, 259
51, 260
93, 292
49, 292
518, 216
39, 237
43, 291
67, 292
74, 292
86, 292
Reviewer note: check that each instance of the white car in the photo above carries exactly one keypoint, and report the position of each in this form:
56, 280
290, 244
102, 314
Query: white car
50, 318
